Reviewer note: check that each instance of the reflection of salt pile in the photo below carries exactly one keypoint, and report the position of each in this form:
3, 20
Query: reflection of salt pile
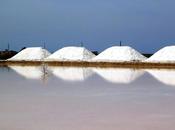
71, 53
29, 72
119, 53
166, 54
164, 76
71, 73
119, 75
31, 54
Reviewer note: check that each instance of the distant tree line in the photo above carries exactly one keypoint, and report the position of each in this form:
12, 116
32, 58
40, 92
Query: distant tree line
6, 54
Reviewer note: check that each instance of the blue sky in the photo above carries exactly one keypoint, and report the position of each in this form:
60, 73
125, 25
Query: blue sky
146, 25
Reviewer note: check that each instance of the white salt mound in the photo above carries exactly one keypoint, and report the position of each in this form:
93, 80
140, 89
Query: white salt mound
119, 53
71, 53
31, 54
166, 54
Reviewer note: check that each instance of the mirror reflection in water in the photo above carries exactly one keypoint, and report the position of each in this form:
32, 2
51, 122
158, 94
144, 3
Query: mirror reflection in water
98, 99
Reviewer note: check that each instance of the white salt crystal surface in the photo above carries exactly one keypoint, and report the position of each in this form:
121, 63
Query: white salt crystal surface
71, 53
166, 54
31, 54
119, 53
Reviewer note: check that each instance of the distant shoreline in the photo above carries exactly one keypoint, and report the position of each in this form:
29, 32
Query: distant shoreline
134, 65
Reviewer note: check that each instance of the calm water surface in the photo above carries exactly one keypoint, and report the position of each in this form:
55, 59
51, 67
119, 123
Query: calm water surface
60, 98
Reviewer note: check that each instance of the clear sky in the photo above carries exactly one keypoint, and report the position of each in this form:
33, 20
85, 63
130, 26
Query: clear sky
146, 25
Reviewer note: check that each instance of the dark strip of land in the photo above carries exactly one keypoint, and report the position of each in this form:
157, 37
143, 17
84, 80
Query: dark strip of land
134, 64
7, 54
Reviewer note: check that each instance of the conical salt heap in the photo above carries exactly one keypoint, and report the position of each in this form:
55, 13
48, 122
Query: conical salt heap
166, 54
31, 54
71, 54
119, 53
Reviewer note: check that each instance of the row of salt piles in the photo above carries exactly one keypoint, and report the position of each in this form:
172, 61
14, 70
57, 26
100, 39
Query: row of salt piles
115, 53
112, 54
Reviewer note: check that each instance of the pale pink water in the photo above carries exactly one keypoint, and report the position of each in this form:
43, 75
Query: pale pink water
90, 103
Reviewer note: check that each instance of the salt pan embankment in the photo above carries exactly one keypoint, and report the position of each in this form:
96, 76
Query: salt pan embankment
119, 75
119, 53
166, 54
71, 54
31, 54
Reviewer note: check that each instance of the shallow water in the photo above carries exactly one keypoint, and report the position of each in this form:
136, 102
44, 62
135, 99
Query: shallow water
60, 98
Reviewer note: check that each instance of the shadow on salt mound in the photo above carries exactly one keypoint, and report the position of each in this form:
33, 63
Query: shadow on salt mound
164, 76
30, 72
119, 53
71, 54
119, 75
166, 54
71, 73
31, 54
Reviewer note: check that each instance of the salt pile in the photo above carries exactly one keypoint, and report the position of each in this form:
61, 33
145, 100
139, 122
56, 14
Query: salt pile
31, 54
166, 54
119, 53
71, 53
29, 72
71, 73
164, 76
121, 76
